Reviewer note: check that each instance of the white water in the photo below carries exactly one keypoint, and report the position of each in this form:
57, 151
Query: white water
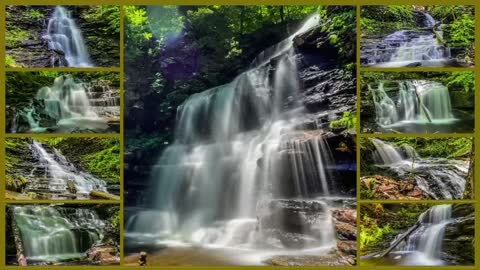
67, 103
52, 234
409, 46
425, 242
440, 178
58, 171
64, 36
403, 107
235, 150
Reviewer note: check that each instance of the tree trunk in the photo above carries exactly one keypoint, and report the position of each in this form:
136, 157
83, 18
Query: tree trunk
469, 185
242, 19
421, 105
399, 240
282, 15
22, 261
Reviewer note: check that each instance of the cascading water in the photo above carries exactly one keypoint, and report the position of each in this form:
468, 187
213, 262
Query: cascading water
67, 107
412, 102
439, 178
425, 242
236, 152
50, 234
410, 47
64, 36
53, 173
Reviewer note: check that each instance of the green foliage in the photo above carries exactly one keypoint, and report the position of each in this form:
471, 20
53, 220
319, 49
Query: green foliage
379, 223
35, 15
348, 121
107, 15
144, 142
16, 36
342, 23
14, 151
435, 147
100, 157
382, 20
465, 80
449, 14
143, 25
461, 31
10, 62
371, 235
105, 163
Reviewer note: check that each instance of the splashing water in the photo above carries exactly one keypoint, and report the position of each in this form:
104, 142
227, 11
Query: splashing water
64, 36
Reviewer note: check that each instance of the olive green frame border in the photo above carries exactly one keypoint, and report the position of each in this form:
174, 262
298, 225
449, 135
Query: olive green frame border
120, 69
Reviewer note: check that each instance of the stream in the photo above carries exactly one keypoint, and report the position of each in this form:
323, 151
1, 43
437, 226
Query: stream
439, 178
409, 48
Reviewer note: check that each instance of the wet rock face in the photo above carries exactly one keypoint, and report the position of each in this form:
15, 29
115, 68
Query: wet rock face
345, 221
462, 100
31, 49
293, 216
328, 90
458, 243
381, 50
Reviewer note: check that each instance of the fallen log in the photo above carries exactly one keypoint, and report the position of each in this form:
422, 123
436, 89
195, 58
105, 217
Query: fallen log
399, 240
425, 110
95, 194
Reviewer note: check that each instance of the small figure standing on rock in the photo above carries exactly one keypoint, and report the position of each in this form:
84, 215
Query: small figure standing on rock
143, 259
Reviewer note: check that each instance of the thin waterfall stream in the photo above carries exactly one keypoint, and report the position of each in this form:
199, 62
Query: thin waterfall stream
63, 35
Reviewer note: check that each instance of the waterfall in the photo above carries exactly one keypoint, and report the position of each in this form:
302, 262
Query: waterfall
52, 234
401, 106
426, 240
385, 153
409, 48
71, 105
429, 21
439, 178
237, 148
64, 36
54, 171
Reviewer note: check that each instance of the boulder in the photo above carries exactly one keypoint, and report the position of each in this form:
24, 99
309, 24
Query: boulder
103, 255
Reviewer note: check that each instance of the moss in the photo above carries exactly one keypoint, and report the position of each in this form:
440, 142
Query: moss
100, 157
105, 164
380, 223
14, 151
16, 36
